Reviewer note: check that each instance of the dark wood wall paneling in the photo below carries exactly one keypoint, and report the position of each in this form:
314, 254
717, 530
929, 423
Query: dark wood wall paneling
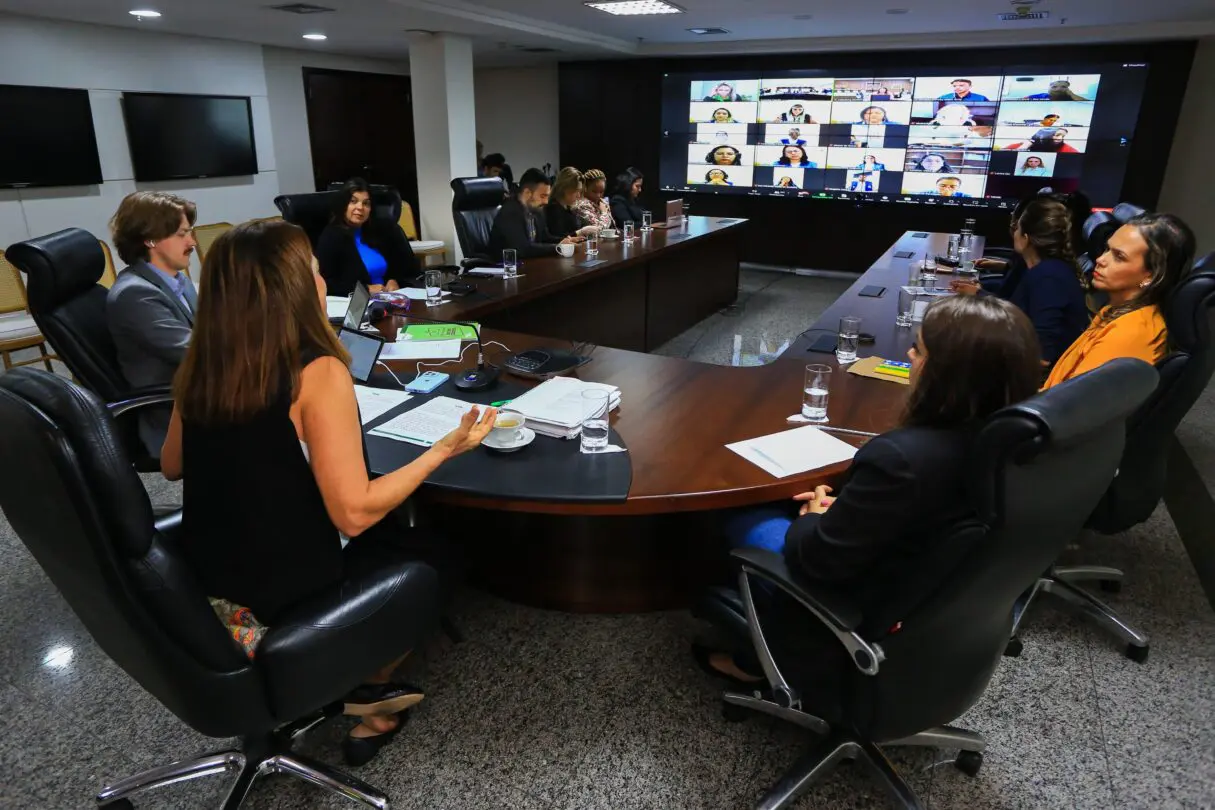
611, 117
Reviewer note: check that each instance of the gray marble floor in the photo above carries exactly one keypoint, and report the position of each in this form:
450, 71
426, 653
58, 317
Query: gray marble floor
547, 710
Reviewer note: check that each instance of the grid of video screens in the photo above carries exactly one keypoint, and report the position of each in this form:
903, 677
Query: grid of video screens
950, 137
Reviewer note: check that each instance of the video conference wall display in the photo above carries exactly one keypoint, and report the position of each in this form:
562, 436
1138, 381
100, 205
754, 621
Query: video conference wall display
983, 137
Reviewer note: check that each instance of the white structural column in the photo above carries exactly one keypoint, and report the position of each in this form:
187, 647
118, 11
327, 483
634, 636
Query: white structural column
444, 127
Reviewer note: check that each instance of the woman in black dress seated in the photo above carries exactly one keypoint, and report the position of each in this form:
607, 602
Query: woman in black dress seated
906, 488
355, 247
626, 207
265, 433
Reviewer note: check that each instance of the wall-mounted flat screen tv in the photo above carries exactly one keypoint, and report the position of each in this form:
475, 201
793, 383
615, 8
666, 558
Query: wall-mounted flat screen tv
175, 137
47, 138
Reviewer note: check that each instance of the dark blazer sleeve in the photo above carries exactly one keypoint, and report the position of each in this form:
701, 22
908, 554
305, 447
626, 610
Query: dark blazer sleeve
389, 240
337, 266
510, 231
620, 211
868, 517
560, 221
1048, 297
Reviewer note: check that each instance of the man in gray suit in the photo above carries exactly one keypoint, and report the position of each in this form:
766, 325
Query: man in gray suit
150, 308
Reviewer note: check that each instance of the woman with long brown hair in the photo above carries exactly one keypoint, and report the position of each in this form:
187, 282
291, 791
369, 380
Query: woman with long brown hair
266, 435
907, 487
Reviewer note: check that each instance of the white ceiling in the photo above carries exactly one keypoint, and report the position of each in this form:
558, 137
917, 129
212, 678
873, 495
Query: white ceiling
501, 29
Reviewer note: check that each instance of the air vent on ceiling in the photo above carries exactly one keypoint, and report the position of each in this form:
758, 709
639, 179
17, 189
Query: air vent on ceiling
702, 32
302, 8
1029, 15
538, 50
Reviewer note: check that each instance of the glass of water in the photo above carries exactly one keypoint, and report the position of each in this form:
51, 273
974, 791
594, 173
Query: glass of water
594, 421
849, 339
906, 306
928, 274
433, 279
628, 231
592, 244
687, 211
647, 221
816, 387
955, 241
510, 263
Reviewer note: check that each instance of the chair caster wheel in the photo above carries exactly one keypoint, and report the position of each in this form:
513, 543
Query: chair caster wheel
1110, 585
969, 762
1137, 654
733, 714
1014, 647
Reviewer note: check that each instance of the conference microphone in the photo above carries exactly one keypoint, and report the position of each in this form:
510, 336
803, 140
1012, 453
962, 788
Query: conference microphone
479, 379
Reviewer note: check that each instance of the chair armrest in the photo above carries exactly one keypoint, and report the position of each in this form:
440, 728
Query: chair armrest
999, 253
331, 643
167, 518
837, 613
140, 398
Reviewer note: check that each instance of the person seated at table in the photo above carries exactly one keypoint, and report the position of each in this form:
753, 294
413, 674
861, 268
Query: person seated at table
355, 247
593, 208
1143, 263
1050, 290
625, 205
520, 223
1078, 206
905, 490
270, 449
560, 215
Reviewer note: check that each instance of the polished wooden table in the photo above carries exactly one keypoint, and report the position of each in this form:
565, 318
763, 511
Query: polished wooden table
658, 547
644, 292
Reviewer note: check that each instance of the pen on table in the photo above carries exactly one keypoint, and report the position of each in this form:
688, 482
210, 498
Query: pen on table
796, 419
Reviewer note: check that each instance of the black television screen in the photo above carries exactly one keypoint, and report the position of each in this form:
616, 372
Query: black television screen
179, 136
47, 138
983, 136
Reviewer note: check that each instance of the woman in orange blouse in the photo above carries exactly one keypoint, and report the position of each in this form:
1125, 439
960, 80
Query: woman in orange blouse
1144, 262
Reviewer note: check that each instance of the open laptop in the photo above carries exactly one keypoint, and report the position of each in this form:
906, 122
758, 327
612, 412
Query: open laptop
356, 312
674, 215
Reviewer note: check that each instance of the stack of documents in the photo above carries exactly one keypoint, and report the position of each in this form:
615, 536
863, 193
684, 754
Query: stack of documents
375, 402
425, 424
554, 407
794, 451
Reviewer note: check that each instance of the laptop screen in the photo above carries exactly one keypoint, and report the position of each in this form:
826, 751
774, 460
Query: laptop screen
359, 299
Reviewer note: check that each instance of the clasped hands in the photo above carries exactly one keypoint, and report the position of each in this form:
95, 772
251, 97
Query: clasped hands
816, 501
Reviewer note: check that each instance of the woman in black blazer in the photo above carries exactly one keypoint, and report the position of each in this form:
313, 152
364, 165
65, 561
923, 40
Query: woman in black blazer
625, 206
559, 214
906, 488
354, 247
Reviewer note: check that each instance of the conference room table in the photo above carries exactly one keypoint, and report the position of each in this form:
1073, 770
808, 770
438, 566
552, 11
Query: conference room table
657, 547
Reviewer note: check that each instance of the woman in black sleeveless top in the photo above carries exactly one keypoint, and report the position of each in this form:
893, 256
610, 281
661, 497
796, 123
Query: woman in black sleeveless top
266, 435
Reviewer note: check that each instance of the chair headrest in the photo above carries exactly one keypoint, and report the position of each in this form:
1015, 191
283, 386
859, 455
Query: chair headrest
1125, 211
1186, 311
59, 266
473, 193
1098, 229
313, 211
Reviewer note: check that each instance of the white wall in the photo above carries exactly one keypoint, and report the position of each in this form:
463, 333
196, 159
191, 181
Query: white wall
106, 61
517, 115
1189, 181
289, 112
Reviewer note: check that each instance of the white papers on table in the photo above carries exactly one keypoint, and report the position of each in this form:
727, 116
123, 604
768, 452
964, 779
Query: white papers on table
375, 402
336, 306
486, 271
419, 293
555, 408
794, 451
421, 350
425, 424
425, 244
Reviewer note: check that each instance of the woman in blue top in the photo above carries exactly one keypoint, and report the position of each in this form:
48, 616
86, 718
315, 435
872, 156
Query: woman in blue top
355, 247
1050, 290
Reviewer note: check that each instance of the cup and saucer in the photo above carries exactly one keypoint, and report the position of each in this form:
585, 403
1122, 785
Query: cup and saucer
609, 233
509, 433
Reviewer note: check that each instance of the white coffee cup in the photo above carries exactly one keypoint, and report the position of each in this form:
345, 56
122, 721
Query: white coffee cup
608, 233
565, 249
508, 427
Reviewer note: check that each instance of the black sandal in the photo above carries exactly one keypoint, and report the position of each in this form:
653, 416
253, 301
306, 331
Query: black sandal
702, 655
358, 751
381, 698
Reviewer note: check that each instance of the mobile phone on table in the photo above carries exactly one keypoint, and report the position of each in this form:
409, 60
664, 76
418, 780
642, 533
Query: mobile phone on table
427, 382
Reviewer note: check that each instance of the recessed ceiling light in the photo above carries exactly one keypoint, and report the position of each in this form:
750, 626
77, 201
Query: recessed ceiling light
144, 12
635, 7
316, 37
700, 32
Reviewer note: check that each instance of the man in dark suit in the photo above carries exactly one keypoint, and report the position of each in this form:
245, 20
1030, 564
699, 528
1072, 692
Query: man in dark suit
150, 309
519, 223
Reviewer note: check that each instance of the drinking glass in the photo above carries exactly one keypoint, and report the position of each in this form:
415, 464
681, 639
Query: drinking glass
647, 221
592, 244
815, 389
966, 261
906, 305
687, 211
594, 421
849, 339
628, 230
433, 279
510, 263
928, 274
955, 241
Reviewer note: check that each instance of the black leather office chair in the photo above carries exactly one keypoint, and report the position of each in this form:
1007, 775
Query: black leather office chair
474, 204
1037, 470
1140, 484
70, 494
67, 303
1124, 212
313, 211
